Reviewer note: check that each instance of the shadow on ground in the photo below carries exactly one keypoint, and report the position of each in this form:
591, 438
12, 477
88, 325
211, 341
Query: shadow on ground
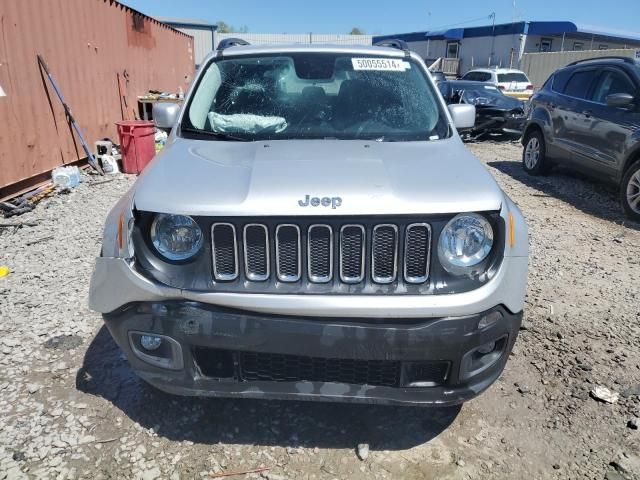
572, 187
106, 373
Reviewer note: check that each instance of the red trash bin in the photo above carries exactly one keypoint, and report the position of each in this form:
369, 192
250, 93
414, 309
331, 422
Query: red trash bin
137, 143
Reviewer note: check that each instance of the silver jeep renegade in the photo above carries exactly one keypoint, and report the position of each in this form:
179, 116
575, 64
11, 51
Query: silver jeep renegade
316, 230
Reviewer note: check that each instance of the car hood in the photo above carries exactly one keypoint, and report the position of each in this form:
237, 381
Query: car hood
501, 103
225, 178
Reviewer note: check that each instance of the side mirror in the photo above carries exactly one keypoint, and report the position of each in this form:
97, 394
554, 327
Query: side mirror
463, 115
619, 100
165, 114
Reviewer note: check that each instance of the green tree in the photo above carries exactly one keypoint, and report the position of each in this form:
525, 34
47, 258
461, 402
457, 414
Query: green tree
224, 27
357, 31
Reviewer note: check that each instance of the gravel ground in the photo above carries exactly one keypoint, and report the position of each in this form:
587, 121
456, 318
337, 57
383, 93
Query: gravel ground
70, 407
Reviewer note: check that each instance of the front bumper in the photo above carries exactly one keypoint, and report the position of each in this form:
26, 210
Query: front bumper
197, 327
500, 124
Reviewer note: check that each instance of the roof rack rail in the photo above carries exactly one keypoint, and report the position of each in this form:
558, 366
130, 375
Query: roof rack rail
231, 42
611, 57
394, 43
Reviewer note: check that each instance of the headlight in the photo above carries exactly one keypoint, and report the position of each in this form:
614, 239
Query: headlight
176, 237
465, 241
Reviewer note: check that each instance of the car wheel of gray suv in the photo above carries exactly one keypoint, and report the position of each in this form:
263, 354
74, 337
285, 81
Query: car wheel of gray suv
534, 158
630, 191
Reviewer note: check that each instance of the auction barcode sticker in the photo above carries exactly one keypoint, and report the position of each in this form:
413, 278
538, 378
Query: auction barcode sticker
380, 64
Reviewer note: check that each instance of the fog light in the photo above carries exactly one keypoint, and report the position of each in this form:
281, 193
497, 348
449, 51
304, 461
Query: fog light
150, 342
489, 319
487, 348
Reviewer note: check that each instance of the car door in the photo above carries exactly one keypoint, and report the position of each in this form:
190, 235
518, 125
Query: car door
573, 111
611, 128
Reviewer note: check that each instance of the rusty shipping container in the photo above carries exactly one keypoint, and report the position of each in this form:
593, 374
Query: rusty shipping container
102, 55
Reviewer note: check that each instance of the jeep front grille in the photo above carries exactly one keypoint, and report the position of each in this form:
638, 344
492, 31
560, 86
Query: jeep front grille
256, 252
384, 253
320, 253
288, 253
225, 251
316, 253
352, 245
416, 252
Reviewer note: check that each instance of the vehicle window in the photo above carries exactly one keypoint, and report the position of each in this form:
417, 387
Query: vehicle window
314, 95
512, 77
579, 83
469, 76
560, 79
611, 82
445, 90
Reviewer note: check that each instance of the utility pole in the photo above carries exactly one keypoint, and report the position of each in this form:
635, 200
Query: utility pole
493, 36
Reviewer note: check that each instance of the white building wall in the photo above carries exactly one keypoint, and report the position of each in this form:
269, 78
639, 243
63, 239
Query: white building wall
533, 43
275, 38
474, 52
202, 41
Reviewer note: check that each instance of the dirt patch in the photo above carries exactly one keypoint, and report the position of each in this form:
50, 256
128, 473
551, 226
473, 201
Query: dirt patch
72, 408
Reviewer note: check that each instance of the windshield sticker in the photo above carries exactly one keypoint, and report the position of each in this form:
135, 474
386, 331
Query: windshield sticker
380, 64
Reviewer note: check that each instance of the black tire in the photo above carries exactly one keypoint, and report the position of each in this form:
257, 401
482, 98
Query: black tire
534, 154
630, 191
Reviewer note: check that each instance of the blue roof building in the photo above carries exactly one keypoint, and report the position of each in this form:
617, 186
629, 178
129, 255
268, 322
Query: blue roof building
504, 44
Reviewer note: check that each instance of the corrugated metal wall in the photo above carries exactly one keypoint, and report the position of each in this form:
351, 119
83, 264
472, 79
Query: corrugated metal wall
538, 66
273, 38
94, 49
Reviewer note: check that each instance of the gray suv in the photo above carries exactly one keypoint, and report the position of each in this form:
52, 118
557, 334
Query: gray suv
314, 229
587, 116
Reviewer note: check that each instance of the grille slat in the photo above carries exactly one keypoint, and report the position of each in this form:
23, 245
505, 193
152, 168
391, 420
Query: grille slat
288, 252
256, 252
393, 248
417, 252
384, 253
320, 253
225, 251
352, 243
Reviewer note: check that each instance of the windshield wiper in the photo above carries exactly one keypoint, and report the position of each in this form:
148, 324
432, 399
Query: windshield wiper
217, 135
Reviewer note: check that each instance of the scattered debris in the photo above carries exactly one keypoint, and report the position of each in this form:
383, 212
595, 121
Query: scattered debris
66, 177
26, 202
362, 451
38, 240
63, 342
237, 473
18, 224
4, 271
605, 395
628, 464
33, 387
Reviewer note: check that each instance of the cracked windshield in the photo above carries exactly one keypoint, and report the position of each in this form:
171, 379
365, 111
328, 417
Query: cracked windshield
308, 96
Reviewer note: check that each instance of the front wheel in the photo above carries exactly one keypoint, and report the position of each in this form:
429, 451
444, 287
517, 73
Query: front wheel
630, 191
534, 158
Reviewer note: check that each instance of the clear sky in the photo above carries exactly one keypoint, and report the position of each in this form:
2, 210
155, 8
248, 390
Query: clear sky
395, 16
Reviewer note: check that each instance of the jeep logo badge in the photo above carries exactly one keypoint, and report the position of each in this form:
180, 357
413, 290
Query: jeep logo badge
333, 202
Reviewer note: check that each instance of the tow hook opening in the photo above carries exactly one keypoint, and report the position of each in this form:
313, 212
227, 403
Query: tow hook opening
158, 350
482, 357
